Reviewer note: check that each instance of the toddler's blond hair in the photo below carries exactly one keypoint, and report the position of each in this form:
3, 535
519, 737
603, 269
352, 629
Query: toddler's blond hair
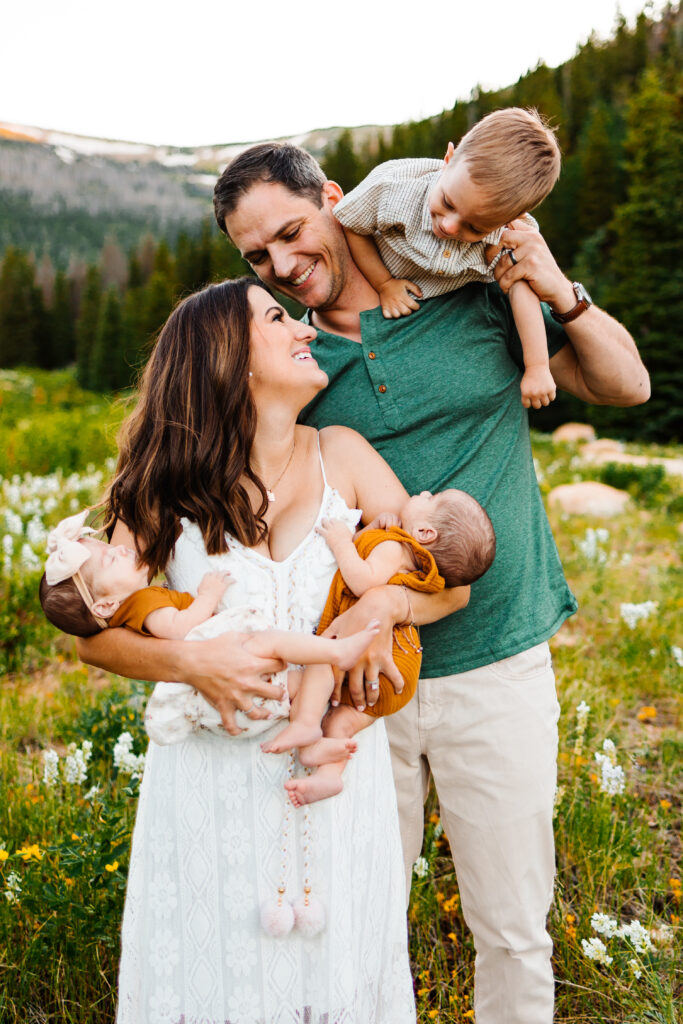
514, 157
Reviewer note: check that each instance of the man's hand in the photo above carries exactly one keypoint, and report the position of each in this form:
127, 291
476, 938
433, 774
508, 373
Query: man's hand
214, 585
532, 261
397, 298
379, 603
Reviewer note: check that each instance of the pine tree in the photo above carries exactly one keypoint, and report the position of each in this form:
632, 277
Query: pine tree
648, 256
21, 311
108, 369
342, 164
86, 326
63, 330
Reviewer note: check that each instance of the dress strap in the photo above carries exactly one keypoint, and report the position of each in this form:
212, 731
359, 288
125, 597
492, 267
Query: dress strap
320, 456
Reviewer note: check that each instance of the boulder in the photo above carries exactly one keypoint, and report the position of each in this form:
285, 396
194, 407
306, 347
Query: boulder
589, 498
672, 467
574, 432
601, 449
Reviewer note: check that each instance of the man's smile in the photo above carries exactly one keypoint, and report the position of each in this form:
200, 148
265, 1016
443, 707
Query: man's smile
306, 274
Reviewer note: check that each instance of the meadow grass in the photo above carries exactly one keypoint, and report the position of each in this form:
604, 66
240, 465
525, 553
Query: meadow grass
65, 822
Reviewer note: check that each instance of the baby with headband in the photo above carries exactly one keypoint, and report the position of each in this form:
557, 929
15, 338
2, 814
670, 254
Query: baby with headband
89, 585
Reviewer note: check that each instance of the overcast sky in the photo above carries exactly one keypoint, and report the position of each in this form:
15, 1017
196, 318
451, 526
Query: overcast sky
204, 71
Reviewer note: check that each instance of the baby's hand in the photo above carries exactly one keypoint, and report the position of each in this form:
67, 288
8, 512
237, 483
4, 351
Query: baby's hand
397, 298
335, 533
214, 584
386, 519
537, 387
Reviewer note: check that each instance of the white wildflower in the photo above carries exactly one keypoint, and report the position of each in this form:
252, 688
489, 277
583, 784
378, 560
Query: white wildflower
582, 712
677, 655
612, 778
438, 830
604, 925
590, 545
633, 613
8, 545
50, 767
421, 867
35, 531
626, 558
638, 936
13, 521
595, 949
29, 559
92, 793
76, 762
635, 968
557, 800
13, 889
125, 760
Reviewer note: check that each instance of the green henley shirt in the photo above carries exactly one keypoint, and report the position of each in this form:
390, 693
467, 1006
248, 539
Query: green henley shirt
437, 394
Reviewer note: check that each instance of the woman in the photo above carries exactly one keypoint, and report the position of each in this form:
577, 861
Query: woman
214, 473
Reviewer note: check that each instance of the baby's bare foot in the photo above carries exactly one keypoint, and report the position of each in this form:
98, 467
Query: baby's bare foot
327, 751
295, 735
318, 786
350, 648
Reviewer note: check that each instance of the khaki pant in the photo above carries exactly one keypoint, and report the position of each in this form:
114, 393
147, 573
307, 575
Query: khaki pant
489, 738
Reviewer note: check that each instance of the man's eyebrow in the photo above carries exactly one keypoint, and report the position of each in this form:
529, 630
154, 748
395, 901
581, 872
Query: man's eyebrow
282, 230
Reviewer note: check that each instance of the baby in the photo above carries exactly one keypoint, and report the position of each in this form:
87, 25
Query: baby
89, 585
436, 227
449, 530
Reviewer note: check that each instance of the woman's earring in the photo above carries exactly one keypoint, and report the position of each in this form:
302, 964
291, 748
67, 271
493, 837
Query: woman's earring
251, 374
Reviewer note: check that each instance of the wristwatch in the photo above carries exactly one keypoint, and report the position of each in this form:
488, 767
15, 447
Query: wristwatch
583, 301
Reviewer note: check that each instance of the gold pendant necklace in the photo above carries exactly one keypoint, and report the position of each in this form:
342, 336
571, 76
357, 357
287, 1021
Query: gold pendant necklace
270, 491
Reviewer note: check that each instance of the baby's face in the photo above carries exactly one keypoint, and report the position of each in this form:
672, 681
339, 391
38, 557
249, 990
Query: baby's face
460, 209
418, 511
111, 571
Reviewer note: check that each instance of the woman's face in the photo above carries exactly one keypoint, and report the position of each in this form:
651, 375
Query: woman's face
280, 360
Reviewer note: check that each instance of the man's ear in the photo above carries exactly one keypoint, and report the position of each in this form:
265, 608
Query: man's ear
332, 193
425, 533
104, 607
449, 153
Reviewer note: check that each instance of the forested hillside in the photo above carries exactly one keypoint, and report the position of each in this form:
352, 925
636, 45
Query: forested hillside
614, 221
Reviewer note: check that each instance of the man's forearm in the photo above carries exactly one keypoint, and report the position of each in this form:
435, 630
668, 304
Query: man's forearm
134, 656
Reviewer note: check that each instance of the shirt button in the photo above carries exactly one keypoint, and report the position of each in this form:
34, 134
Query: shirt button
382, 388
441, 272
446, 254
371, 355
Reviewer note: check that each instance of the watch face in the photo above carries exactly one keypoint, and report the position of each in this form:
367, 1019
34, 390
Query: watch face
581, 293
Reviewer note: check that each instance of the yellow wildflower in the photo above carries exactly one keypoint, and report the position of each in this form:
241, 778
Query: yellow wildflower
675, 919
468, 1013
432, 1014
28, 852
422, 992
440, 897
3, 855
68, 882
452, 936
647, 713
434, 818
675, 883
570, 918
665, 805
75, 835
111, 867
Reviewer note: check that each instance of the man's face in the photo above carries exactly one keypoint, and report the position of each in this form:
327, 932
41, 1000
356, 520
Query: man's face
292, 244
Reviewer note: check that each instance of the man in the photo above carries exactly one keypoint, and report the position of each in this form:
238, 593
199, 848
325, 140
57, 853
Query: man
437, 393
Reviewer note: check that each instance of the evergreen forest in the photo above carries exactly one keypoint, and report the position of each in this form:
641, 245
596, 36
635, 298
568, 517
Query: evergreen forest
614, 221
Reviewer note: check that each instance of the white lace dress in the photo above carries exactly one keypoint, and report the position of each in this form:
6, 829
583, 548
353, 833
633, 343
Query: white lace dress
207, 852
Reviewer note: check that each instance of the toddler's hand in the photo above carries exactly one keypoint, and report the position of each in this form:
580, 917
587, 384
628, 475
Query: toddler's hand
537, 387
214, 584
335, 532
397, 298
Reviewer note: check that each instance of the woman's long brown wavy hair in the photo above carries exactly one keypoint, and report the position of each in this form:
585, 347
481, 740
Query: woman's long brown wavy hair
184, 448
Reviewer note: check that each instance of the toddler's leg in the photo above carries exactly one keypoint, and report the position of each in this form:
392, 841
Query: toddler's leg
308, 709
340, 725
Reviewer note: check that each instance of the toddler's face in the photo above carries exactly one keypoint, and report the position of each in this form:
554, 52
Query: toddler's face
111, 571
460, 209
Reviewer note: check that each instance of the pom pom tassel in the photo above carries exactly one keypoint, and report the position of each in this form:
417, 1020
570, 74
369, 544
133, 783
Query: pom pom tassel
309, 914
277, 917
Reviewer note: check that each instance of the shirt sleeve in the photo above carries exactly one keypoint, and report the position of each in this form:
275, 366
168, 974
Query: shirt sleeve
359, 209
135, 609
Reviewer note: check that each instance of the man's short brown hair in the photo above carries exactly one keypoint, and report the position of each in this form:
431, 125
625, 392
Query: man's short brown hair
276, 162
514, 157
65, 608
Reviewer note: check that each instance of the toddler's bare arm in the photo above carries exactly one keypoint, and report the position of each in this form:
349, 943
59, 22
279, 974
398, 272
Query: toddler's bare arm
176, 623
361, 574
537, 385
396, 295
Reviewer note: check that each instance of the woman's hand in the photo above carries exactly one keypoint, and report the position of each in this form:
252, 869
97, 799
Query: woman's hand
387, 604
230, 676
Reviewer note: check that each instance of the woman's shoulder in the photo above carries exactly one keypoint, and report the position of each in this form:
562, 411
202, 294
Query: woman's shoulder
337, 439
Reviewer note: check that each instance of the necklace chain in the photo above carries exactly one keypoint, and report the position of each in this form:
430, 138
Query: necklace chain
270, 491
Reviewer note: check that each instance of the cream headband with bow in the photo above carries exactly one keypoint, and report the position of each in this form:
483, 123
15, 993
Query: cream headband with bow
66, 556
